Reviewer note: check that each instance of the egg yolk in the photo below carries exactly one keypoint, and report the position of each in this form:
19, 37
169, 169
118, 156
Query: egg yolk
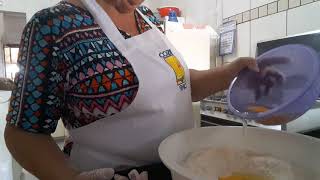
242, 177
275, 120
258, 109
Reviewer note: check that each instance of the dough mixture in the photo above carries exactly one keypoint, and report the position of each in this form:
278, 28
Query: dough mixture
231, 164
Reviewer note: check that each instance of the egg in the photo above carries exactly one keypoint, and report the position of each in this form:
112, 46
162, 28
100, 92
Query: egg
237, 176
258, 109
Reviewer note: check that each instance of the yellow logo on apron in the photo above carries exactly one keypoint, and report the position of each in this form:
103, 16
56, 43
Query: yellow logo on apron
178, 69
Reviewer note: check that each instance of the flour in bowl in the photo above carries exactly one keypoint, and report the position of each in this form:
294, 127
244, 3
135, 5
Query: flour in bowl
224, 162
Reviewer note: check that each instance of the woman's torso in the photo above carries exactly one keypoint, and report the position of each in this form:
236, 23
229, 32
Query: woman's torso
99, 81
75, 73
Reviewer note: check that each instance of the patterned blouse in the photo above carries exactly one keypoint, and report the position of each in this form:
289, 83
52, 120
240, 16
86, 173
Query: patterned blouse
70, 70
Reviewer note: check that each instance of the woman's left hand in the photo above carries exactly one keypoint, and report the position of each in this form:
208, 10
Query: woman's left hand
242, 63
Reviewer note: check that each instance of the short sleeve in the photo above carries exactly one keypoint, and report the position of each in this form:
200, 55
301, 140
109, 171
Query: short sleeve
37, 98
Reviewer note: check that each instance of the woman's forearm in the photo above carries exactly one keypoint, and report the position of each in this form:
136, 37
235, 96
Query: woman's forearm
39, 154
205, 83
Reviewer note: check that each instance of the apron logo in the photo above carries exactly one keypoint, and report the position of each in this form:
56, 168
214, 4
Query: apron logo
178, 69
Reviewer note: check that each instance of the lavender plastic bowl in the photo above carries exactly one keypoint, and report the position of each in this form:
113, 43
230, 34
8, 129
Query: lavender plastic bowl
291, 99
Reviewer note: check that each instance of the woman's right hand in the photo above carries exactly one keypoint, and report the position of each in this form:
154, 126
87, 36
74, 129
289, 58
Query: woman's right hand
108, 174
98, 174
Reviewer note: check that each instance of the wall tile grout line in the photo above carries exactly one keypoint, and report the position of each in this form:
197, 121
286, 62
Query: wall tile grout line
287, 22
277, 2
257, 8
241, 18
309, 2
284, 9
295, 6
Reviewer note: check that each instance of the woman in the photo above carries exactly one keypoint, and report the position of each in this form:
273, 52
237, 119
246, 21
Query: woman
119, 86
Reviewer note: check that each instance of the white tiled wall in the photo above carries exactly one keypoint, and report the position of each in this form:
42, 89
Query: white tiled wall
269, 25
267, 28
294, 3
283, 5
306, 1
246, 16
272, 8
233, 7
239, 18
199, 12
244, 39
257, 3
243, 43
254, 13
303, 19
263, 11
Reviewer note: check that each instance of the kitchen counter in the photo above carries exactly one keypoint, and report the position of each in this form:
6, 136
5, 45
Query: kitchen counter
308, 124
214, 118
215, 112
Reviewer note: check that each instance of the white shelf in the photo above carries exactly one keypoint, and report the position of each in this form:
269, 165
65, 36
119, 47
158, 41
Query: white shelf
228, 117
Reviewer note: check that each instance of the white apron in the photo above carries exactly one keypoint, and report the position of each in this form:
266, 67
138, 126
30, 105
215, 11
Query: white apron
161, 107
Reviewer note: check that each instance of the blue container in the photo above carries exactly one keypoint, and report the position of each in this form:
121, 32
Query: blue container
173, 16
290, 99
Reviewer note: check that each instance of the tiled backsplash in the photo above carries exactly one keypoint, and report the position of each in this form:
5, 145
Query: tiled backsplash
294, 3
279, 22
267, 9
283, 5
254, 14
306, 1
303, 19
272, 8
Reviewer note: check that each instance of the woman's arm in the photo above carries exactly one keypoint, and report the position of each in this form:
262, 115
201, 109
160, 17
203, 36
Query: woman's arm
39, 154
206, 83
36, 104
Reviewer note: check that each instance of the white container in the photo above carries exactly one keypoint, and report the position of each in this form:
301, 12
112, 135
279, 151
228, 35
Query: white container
195, 45
300, 150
